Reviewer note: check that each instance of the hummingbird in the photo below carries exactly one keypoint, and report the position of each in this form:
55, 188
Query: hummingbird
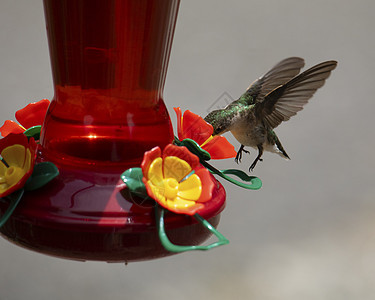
271, 99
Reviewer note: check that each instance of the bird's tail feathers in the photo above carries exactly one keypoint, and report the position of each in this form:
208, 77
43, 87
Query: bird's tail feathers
281, 151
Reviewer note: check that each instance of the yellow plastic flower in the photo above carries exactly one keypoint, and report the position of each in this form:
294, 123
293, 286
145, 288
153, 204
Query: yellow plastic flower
176, 180
18, 155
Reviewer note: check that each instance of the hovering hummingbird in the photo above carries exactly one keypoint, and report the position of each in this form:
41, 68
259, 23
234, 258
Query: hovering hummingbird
269, 100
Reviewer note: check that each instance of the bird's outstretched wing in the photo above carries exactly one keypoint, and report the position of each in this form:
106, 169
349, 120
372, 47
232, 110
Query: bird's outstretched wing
288, 99
281, 73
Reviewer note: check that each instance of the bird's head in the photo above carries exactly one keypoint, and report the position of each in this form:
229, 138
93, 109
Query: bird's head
219, 121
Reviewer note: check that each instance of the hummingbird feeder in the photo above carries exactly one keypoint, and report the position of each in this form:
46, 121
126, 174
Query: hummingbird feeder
100, 175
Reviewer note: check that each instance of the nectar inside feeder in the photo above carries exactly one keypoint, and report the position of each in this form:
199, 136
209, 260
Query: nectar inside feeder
109, 62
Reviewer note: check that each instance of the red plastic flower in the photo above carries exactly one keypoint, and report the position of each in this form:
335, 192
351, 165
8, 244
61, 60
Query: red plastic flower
18, 160
31, 115
194, 127
176, 180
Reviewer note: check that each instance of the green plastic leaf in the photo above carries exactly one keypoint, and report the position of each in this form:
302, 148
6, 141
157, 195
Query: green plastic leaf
254, 182
169, 246
15, 199
33, 132
43, 173
194, 148
133, 179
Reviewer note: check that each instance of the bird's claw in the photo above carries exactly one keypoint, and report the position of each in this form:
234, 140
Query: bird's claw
239, 154
252, 167
254, 164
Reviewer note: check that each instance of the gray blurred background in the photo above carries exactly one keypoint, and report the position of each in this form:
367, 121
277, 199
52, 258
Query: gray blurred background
309, 233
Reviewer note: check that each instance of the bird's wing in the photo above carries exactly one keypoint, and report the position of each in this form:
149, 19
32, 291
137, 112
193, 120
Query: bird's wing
278, 75
288, 99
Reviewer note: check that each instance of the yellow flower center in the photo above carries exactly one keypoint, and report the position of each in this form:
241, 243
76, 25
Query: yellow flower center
13, 175
171, 188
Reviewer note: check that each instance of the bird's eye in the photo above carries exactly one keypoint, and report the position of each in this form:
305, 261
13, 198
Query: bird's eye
218, 129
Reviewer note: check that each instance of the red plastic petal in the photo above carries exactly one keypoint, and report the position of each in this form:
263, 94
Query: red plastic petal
148, 158
195, 127
179, 122
13, 139
220, 148
10, 127
33, 114
191, 210
207, 184
183, 153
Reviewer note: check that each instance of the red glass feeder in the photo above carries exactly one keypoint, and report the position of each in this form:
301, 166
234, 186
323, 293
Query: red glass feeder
109, 62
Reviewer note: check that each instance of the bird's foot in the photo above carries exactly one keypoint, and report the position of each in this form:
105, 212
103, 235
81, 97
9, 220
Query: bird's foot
259, 157
255, 163
239, 154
